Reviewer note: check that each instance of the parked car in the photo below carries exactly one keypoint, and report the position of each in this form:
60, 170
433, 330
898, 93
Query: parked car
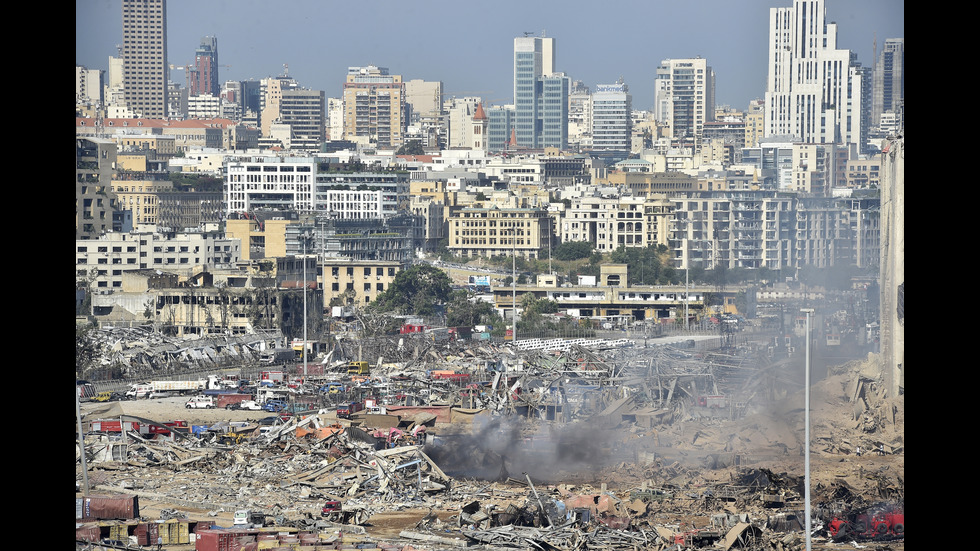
250, 405
275, 405
200, 402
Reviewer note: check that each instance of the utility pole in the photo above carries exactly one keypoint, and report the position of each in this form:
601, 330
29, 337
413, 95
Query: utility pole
806, 408
513, 282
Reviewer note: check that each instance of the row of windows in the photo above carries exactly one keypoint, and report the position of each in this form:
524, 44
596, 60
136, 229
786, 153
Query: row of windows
335, 271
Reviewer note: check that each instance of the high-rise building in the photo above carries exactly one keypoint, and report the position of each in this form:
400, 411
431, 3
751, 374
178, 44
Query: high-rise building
202, 77
89, 85
305, 111
685, 98
813, 91
612, 107
889, 80
540, 95
144, 52
500, 130
375, 111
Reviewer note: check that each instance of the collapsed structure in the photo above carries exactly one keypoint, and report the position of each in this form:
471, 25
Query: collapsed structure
621, 447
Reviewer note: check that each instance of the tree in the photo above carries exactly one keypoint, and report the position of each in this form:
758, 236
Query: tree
419, 290
462, 310
573, 250
86, 350
646, 264
411, 147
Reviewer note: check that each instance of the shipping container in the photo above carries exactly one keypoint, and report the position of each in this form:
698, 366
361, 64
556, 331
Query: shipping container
107, 507
222, 540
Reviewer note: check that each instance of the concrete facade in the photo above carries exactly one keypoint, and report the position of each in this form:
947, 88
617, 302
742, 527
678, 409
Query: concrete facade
144, 54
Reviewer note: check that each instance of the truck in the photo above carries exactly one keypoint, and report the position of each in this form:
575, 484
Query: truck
147, 389
347, 410
228, 400
358, 368
272, 377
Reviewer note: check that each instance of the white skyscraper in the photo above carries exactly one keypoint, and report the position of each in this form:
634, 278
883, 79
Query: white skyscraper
685, 98
813, 92
612, 107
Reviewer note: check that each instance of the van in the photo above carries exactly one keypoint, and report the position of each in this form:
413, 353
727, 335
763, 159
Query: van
200, 402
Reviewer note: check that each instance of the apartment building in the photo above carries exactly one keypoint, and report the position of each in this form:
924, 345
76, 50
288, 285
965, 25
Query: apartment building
769, 229
349, 282
495, 231
297, 183
375, 111
864, 173
229, 302
96, 206
108, 258
139, 193
813, 88
685, 99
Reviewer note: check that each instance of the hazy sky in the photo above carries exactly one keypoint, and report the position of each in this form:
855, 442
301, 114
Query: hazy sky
469, 45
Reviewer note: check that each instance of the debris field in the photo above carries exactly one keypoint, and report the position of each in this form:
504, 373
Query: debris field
600, 445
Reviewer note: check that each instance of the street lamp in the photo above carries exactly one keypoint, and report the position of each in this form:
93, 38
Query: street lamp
806, 436
513, 282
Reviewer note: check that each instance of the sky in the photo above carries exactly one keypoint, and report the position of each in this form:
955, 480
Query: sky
469, 45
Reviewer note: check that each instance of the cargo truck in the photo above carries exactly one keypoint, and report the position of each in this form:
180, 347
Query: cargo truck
358, 368
151, 388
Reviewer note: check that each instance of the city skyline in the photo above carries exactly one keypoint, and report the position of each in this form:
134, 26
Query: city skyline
435, 40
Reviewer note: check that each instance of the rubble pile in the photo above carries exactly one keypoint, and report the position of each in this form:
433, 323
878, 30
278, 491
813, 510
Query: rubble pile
618, 448
141, 352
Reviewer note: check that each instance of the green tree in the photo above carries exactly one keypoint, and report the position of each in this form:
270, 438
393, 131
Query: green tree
419, 290
573, 250
646, 264
462, 310
411, 147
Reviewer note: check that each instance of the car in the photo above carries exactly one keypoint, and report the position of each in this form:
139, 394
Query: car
200, 402
250, 405
331, 509
275, 405
104, 396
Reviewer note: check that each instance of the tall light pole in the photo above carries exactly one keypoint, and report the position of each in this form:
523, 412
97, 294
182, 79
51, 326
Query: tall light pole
305, 344
513, 281
806, 436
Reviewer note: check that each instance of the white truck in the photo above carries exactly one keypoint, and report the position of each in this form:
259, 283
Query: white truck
162, 388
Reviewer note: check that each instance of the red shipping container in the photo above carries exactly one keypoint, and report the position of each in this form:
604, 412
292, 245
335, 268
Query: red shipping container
109, 507
222, 540
87, 532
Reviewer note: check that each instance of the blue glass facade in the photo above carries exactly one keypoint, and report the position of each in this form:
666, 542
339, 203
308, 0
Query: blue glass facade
540, 97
